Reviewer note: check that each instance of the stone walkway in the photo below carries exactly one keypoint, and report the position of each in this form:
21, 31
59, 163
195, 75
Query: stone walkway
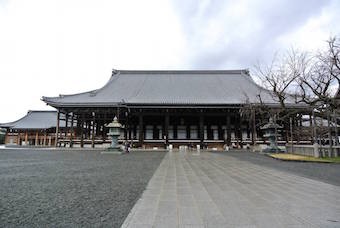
212, 190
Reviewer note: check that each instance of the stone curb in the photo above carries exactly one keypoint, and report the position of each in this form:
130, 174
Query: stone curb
290, 160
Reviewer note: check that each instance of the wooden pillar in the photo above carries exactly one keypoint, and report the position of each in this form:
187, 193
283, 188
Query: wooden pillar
166, 129
240, 129
26, 138
130, 128
175, 130
66, 129
104, 130
220, 132
253, 133
93, 132
72, 130
126, 128
209, 132
248, 129
82, 130
201, 126
45, 137
298, 128
36, 138
228, 129
18, 138
141, 130
187, 129
57, 129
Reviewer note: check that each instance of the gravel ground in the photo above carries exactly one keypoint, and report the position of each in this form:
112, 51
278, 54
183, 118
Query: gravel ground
44, 188
328, 173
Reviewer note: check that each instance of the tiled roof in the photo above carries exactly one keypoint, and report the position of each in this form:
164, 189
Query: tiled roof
35, 120
226, 87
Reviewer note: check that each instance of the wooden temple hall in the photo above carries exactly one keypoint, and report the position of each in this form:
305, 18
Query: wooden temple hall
159, 108
36, 128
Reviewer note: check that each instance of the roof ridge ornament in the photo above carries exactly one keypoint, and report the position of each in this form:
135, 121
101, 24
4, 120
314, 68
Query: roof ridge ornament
114, 71
93, 93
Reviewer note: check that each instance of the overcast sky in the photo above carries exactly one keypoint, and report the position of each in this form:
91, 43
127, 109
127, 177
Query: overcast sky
57, 47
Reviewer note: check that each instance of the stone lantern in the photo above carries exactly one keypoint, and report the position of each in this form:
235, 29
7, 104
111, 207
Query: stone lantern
270, 133
114, 133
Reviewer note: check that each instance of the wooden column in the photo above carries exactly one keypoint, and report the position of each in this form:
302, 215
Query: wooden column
209, 132
166, 129
201, 126
93, 132
154, 132
66, 129
141, 130
45, 137
36, 138
240, 129
18, 138
220, 132
228, 129
248, 129
130, 128
57, 129
72, 130
126, 128
82, 130
187, 129
26, 138
253, 133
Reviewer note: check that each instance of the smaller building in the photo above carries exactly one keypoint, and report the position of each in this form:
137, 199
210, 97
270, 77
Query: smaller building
36, 128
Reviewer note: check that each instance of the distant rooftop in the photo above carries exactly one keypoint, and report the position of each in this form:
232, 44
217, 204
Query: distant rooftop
35, 120
170, 87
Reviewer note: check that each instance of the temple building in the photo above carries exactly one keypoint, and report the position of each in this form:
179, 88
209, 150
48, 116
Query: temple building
159, 108
36, 128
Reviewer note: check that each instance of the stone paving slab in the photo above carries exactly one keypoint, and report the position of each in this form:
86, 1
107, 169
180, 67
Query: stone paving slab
212, 190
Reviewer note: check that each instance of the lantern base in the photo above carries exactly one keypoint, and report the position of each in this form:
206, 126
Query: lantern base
272, 150
113, 150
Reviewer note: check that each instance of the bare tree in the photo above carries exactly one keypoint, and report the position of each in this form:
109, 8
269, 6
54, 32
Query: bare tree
281, 75
316, 87
281, 78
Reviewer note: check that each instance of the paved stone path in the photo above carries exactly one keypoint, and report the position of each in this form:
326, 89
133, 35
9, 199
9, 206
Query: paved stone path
213, 190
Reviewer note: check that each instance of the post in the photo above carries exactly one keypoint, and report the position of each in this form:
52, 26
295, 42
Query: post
66, 128
72, 130
166, 130
335, 120
36, 138
45, 137
240, 131
82, 131
141, 130
254, 136
228, 130
291, 133
315, 137
57, 129
201, 123
330, 138
93, 128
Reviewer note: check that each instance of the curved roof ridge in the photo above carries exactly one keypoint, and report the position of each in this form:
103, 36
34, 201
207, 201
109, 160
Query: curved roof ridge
41, 111
240, 71
267, 90
91, 92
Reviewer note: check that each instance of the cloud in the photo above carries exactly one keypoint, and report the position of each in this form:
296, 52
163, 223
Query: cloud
226, 34
48, 47
69, 46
